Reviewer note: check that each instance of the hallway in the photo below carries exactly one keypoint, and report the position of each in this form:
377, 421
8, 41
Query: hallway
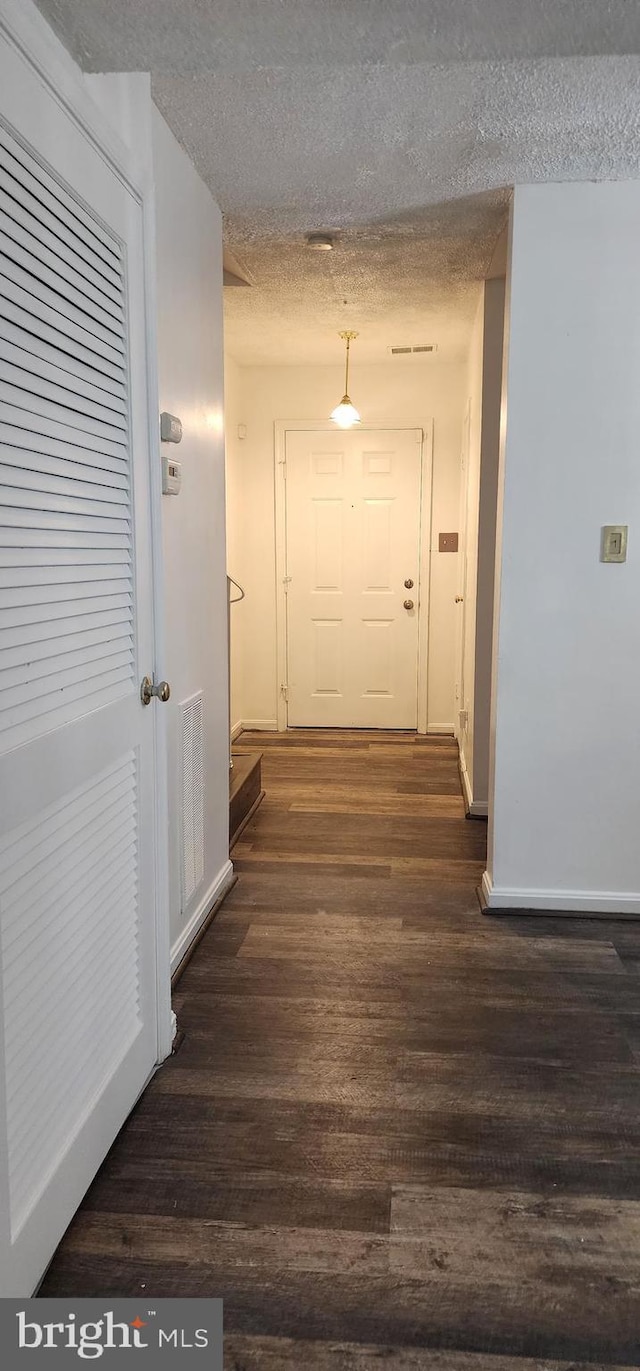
397, 1134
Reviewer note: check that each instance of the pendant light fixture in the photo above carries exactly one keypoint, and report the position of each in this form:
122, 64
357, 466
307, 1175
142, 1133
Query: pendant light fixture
345, 414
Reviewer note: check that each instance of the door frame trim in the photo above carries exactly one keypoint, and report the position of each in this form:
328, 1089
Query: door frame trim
281, 428
26, 29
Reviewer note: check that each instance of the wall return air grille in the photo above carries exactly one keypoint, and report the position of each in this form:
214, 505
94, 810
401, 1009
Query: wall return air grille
409, 349
192, 797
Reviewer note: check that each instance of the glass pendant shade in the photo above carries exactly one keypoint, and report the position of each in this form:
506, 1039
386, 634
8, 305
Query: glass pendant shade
345, 415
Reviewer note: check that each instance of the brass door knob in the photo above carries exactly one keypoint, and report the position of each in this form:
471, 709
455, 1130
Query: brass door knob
148, 689
408, 604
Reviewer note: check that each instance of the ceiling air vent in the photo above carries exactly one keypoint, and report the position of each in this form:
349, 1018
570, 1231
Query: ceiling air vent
418, 347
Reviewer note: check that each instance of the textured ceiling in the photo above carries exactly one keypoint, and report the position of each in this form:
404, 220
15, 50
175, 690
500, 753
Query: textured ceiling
399, 124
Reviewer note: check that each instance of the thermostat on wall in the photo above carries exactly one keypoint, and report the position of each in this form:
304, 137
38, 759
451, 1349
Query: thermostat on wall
171, 476
170, 428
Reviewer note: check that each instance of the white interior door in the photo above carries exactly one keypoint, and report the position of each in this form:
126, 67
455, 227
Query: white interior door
353, 540
77, 787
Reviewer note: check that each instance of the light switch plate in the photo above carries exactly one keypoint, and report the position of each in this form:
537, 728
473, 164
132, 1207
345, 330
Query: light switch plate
614, 543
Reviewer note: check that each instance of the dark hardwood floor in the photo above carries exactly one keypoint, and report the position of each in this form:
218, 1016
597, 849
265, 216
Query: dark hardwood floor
398, 1134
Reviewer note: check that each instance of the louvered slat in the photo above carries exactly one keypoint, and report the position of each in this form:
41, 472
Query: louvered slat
70, 520
77, 811
59, 481
38, 305
45, 651
44, 358
47, 217
66, 638
66, 1032
41, 282
66, 467
39, 331
56, 264
30, 672
33, 878
14, 424
48, 190
62, 541
21, 216
58, 575
97, 832
19, 381
80, 391
34, 634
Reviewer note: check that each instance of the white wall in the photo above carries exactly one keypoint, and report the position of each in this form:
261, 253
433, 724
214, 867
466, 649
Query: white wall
411, 393
484, 388
493, 343
235, 512
188, 284
566, 800
470, 498
190, 364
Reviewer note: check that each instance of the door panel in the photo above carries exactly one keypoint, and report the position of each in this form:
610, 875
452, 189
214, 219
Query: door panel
353, 538
77, 778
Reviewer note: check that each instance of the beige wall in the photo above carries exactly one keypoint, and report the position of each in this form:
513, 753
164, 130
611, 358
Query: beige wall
235, 511
565, 808
484, 381
190, 384
422, 393
470, 496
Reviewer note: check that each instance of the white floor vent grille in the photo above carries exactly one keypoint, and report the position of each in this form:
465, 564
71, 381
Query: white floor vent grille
192, 797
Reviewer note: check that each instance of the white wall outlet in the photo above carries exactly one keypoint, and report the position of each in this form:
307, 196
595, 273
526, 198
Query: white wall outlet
613, 547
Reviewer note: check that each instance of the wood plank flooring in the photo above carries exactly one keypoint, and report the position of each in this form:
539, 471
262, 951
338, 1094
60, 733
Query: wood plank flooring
398, 1133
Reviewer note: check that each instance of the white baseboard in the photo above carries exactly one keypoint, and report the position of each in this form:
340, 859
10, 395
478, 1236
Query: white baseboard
564, 901
216, 890
260, 725
440, 728
466, 783
236, 730
476, 809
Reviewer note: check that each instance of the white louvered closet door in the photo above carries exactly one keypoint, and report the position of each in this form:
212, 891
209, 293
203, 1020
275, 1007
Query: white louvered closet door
77, 786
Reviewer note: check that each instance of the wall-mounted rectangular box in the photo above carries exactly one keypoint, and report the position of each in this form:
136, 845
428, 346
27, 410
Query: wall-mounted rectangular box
613, 546
448, 542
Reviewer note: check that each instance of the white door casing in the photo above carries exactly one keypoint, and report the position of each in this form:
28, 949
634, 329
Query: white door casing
78, 792
460, 686
353, 506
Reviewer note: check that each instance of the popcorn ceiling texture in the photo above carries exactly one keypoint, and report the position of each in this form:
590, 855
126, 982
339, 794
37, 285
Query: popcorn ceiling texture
399, 124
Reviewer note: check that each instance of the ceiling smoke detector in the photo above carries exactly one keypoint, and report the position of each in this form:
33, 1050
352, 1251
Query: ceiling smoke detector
320, 242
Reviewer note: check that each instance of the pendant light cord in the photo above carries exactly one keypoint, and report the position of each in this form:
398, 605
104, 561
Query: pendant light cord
346, 371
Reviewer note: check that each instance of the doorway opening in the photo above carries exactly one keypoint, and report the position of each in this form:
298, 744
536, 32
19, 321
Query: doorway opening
352, 572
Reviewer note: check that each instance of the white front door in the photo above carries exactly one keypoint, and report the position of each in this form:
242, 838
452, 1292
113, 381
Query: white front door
353, 541
78, 998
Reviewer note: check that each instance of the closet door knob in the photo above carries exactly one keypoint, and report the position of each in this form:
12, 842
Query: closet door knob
148, 689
